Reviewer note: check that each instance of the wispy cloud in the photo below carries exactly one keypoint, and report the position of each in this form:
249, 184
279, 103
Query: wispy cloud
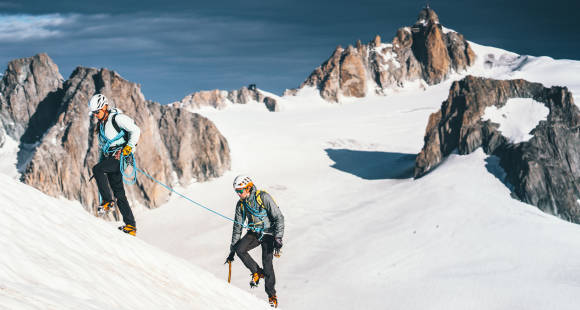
17, 28
9, 5
171, 54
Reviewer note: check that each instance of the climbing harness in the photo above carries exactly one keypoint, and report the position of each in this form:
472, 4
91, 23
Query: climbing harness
259, 213
106, 143
125, 161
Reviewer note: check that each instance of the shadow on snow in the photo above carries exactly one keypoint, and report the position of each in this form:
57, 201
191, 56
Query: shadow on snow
372, 165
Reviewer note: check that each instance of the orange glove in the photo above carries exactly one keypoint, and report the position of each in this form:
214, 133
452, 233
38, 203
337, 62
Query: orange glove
127, 150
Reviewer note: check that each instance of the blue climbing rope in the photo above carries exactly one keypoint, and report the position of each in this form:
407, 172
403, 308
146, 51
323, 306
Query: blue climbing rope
190, 200
106, 143
124, 162
260, 215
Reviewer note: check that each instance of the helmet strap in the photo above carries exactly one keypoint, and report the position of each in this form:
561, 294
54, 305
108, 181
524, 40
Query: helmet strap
106, 115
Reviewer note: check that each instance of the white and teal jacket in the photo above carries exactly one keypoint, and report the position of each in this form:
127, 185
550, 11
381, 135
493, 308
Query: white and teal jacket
124, 123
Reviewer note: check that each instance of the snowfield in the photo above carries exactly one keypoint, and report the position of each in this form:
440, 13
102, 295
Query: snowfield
361, 233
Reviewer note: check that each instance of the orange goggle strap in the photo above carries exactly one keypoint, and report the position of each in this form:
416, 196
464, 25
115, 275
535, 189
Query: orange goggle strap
247, 186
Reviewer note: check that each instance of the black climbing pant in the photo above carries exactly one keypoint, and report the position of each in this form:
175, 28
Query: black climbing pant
249, 242
107, 173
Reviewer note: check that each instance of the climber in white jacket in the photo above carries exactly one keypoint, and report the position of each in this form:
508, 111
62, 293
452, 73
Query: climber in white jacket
118, 134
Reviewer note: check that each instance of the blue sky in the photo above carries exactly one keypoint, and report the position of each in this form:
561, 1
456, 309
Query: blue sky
173, 48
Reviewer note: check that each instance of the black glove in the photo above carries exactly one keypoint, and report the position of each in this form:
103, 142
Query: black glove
230, 257
277, 243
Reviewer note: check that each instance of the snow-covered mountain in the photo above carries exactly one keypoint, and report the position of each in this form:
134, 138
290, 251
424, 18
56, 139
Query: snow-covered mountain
360, 231
425, 52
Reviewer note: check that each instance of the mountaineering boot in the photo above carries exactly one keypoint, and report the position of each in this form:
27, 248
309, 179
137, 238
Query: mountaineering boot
129, 229
273, 301
105, 208
256, 276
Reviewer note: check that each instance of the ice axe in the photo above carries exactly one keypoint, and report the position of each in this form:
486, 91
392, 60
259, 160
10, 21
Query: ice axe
229, 261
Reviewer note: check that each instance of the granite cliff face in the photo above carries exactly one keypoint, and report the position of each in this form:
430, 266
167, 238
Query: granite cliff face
424, 51
219, 99
196, 148
543, 171
29, 89
61, 161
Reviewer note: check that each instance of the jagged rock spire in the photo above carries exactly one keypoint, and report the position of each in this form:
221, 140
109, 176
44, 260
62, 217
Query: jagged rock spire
423, 51
427, 16
25, 84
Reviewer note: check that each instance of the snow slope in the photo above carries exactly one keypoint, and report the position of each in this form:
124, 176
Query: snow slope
360, 232
57, 256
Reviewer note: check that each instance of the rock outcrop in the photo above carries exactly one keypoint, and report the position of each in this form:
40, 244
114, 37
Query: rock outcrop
65, 144
219, 99
424, 51
30, 88
543, 171
196, 148
271, 104
2, 134
214, 98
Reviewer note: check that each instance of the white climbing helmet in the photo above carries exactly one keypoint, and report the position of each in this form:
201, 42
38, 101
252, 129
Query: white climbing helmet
242, 181
97, 102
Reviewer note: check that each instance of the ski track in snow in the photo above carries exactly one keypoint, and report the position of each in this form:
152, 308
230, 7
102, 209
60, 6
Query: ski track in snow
360, 232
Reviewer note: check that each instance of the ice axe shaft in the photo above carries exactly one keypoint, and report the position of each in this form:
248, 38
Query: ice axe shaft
230, 272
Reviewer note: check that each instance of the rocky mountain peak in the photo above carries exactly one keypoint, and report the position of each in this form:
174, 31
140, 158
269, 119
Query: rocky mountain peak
219, 99
377, 41
427, 17
423, 51
26, 83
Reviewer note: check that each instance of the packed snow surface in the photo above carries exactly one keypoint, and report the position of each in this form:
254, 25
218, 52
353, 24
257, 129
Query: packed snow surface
517, 118
8, 157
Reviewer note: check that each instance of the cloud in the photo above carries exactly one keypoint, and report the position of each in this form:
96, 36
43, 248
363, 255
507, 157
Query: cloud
171, 54
9, 5
18, 28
